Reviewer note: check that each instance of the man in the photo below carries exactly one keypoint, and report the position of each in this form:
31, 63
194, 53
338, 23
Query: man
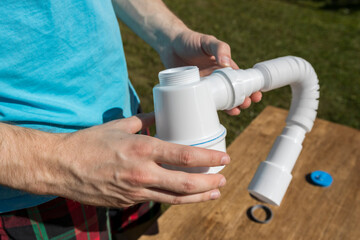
68, 109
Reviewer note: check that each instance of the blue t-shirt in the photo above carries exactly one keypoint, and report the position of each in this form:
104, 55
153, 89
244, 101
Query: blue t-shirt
62, 68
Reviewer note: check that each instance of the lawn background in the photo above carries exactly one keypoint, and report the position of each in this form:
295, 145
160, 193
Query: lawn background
258, 30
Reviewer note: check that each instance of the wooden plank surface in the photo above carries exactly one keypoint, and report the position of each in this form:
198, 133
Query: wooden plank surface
307, 211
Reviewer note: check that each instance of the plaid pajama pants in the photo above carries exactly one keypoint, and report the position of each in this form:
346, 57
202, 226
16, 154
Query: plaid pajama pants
63, 219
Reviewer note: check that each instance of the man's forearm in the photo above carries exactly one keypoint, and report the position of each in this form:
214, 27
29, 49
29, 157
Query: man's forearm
151, 20
23, 153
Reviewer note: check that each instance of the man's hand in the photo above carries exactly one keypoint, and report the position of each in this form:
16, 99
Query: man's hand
176, 44
110, 165
207, 53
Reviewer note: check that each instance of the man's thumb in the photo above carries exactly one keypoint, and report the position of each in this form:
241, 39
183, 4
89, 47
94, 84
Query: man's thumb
137, 122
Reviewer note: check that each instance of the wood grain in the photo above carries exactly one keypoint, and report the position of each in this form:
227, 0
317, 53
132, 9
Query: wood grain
307, 211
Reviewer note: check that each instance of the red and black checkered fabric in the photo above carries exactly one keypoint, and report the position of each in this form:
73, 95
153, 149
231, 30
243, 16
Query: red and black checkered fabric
63, 219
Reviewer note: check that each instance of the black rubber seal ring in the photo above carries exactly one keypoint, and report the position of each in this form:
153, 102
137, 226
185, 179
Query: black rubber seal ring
267, 210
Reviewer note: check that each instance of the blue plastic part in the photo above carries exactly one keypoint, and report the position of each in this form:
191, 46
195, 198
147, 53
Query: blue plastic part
321, 178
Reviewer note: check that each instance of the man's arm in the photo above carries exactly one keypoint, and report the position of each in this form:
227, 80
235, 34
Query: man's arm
151, 20
24, 156
106, 165
176, 44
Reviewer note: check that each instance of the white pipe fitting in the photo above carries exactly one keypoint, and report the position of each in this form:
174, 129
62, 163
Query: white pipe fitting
186, 113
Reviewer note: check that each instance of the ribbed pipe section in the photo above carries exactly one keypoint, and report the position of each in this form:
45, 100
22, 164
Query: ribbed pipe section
304, 85
273, 176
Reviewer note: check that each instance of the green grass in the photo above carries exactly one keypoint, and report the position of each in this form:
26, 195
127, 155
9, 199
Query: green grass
258, 30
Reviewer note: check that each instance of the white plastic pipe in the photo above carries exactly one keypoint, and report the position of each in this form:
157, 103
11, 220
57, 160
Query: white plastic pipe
186, 113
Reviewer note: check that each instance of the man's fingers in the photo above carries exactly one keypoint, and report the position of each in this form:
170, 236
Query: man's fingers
233, 65
186, 183
256, 97
186, 156
246, 103
233, 112
207, 71
221, 50
173, 198
136, 123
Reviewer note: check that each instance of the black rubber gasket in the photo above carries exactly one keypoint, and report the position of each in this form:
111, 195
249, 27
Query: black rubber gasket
267, 210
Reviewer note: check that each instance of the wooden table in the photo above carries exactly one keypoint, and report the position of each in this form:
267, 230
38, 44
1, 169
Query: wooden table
307, 211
